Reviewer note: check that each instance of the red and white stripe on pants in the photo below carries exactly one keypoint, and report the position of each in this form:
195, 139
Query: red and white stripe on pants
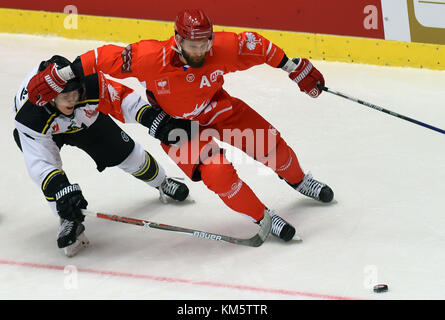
201, 159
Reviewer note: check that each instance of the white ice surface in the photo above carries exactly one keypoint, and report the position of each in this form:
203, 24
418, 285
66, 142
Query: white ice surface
386, 225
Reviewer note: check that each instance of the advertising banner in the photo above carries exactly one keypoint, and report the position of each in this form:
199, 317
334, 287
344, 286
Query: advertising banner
383, 32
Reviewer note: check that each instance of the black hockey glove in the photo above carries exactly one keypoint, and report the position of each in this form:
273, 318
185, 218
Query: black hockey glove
160, 125
182, 129
69, 201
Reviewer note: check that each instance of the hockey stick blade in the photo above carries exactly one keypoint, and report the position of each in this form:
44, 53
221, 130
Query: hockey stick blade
256, 241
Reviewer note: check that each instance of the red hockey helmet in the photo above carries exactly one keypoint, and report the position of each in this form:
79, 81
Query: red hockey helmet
193, 24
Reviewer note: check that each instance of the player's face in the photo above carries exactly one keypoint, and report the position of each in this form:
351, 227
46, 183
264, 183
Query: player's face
66, 101
194, 51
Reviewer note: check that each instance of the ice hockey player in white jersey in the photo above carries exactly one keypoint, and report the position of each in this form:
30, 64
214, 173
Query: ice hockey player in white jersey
80, 116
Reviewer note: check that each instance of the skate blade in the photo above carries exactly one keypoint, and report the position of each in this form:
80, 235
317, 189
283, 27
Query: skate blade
169, 200
81, 243
296, 238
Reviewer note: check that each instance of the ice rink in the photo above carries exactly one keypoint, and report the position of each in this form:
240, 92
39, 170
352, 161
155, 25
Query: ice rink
386, 225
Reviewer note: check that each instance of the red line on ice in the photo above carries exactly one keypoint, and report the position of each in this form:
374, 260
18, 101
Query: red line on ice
177, 280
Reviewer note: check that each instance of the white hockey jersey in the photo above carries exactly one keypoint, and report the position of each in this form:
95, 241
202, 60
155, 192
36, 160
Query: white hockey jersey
37, 125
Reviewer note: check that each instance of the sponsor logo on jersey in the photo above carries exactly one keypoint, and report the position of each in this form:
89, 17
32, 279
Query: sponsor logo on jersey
113, 93
215, 74
125, 137
55, 128
73, 127
126, 59
162, 85
103, 85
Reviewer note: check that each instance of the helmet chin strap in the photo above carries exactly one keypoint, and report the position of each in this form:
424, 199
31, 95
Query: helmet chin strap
178, 40
177, 50
211, 41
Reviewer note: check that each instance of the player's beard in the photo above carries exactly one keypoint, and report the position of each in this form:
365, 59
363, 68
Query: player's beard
194, 62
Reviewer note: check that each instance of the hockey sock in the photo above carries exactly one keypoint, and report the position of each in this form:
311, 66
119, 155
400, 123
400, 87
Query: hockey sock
219, 175
287, 165
143, 166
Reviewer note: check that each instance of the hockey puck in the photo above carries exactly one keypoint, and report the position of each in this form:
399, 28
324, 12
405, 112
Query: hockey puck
379, 288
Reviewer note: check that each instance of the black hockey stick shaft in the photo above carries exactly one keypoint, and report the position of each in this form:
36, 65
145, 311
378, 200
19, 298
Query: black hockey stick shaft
255, 241
373, 106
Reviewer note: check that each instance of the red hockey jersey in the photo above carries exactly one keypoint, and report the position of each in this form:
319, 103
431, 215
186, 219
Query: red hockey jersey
182, 91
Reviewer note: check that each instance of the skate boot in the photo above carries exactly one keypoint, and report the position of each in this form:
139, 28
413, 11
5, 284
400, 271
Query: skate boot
174, 189
314, 189
71, 237
281, 228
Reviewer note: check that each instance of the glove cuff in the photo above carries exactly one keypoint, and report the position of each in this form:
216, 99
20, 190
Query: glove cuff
291, 65
53, 182
152, 118
307, 69
66, 73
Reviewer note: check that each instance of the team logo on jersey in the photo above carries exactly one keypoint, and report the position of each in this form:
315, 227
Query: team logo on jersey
251, 41
162, 85
190, 77
73, 127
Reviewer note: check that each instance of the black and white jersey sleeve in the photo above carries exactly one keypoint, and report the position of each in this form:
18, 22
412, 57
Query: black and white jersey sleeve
36, 126
41, 153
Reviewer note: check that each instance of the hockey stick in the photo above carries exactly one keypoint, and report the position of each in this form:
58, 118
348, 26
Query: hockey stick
373, 106
256, 241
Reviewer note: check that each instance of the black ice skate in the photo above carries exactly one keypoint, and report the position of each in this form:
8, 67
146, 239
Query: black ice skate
174, 189
281, 228
71, 237
314, 189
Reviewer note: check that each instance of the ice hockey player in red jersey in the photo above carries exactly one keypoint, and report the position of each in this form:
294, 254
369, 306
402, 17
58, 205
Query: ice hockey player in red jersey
184, 76
78, 116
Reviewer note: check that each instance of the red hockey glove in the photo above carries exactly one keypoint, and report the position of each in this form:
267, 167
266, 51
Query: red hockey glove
305, 75
45, 85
